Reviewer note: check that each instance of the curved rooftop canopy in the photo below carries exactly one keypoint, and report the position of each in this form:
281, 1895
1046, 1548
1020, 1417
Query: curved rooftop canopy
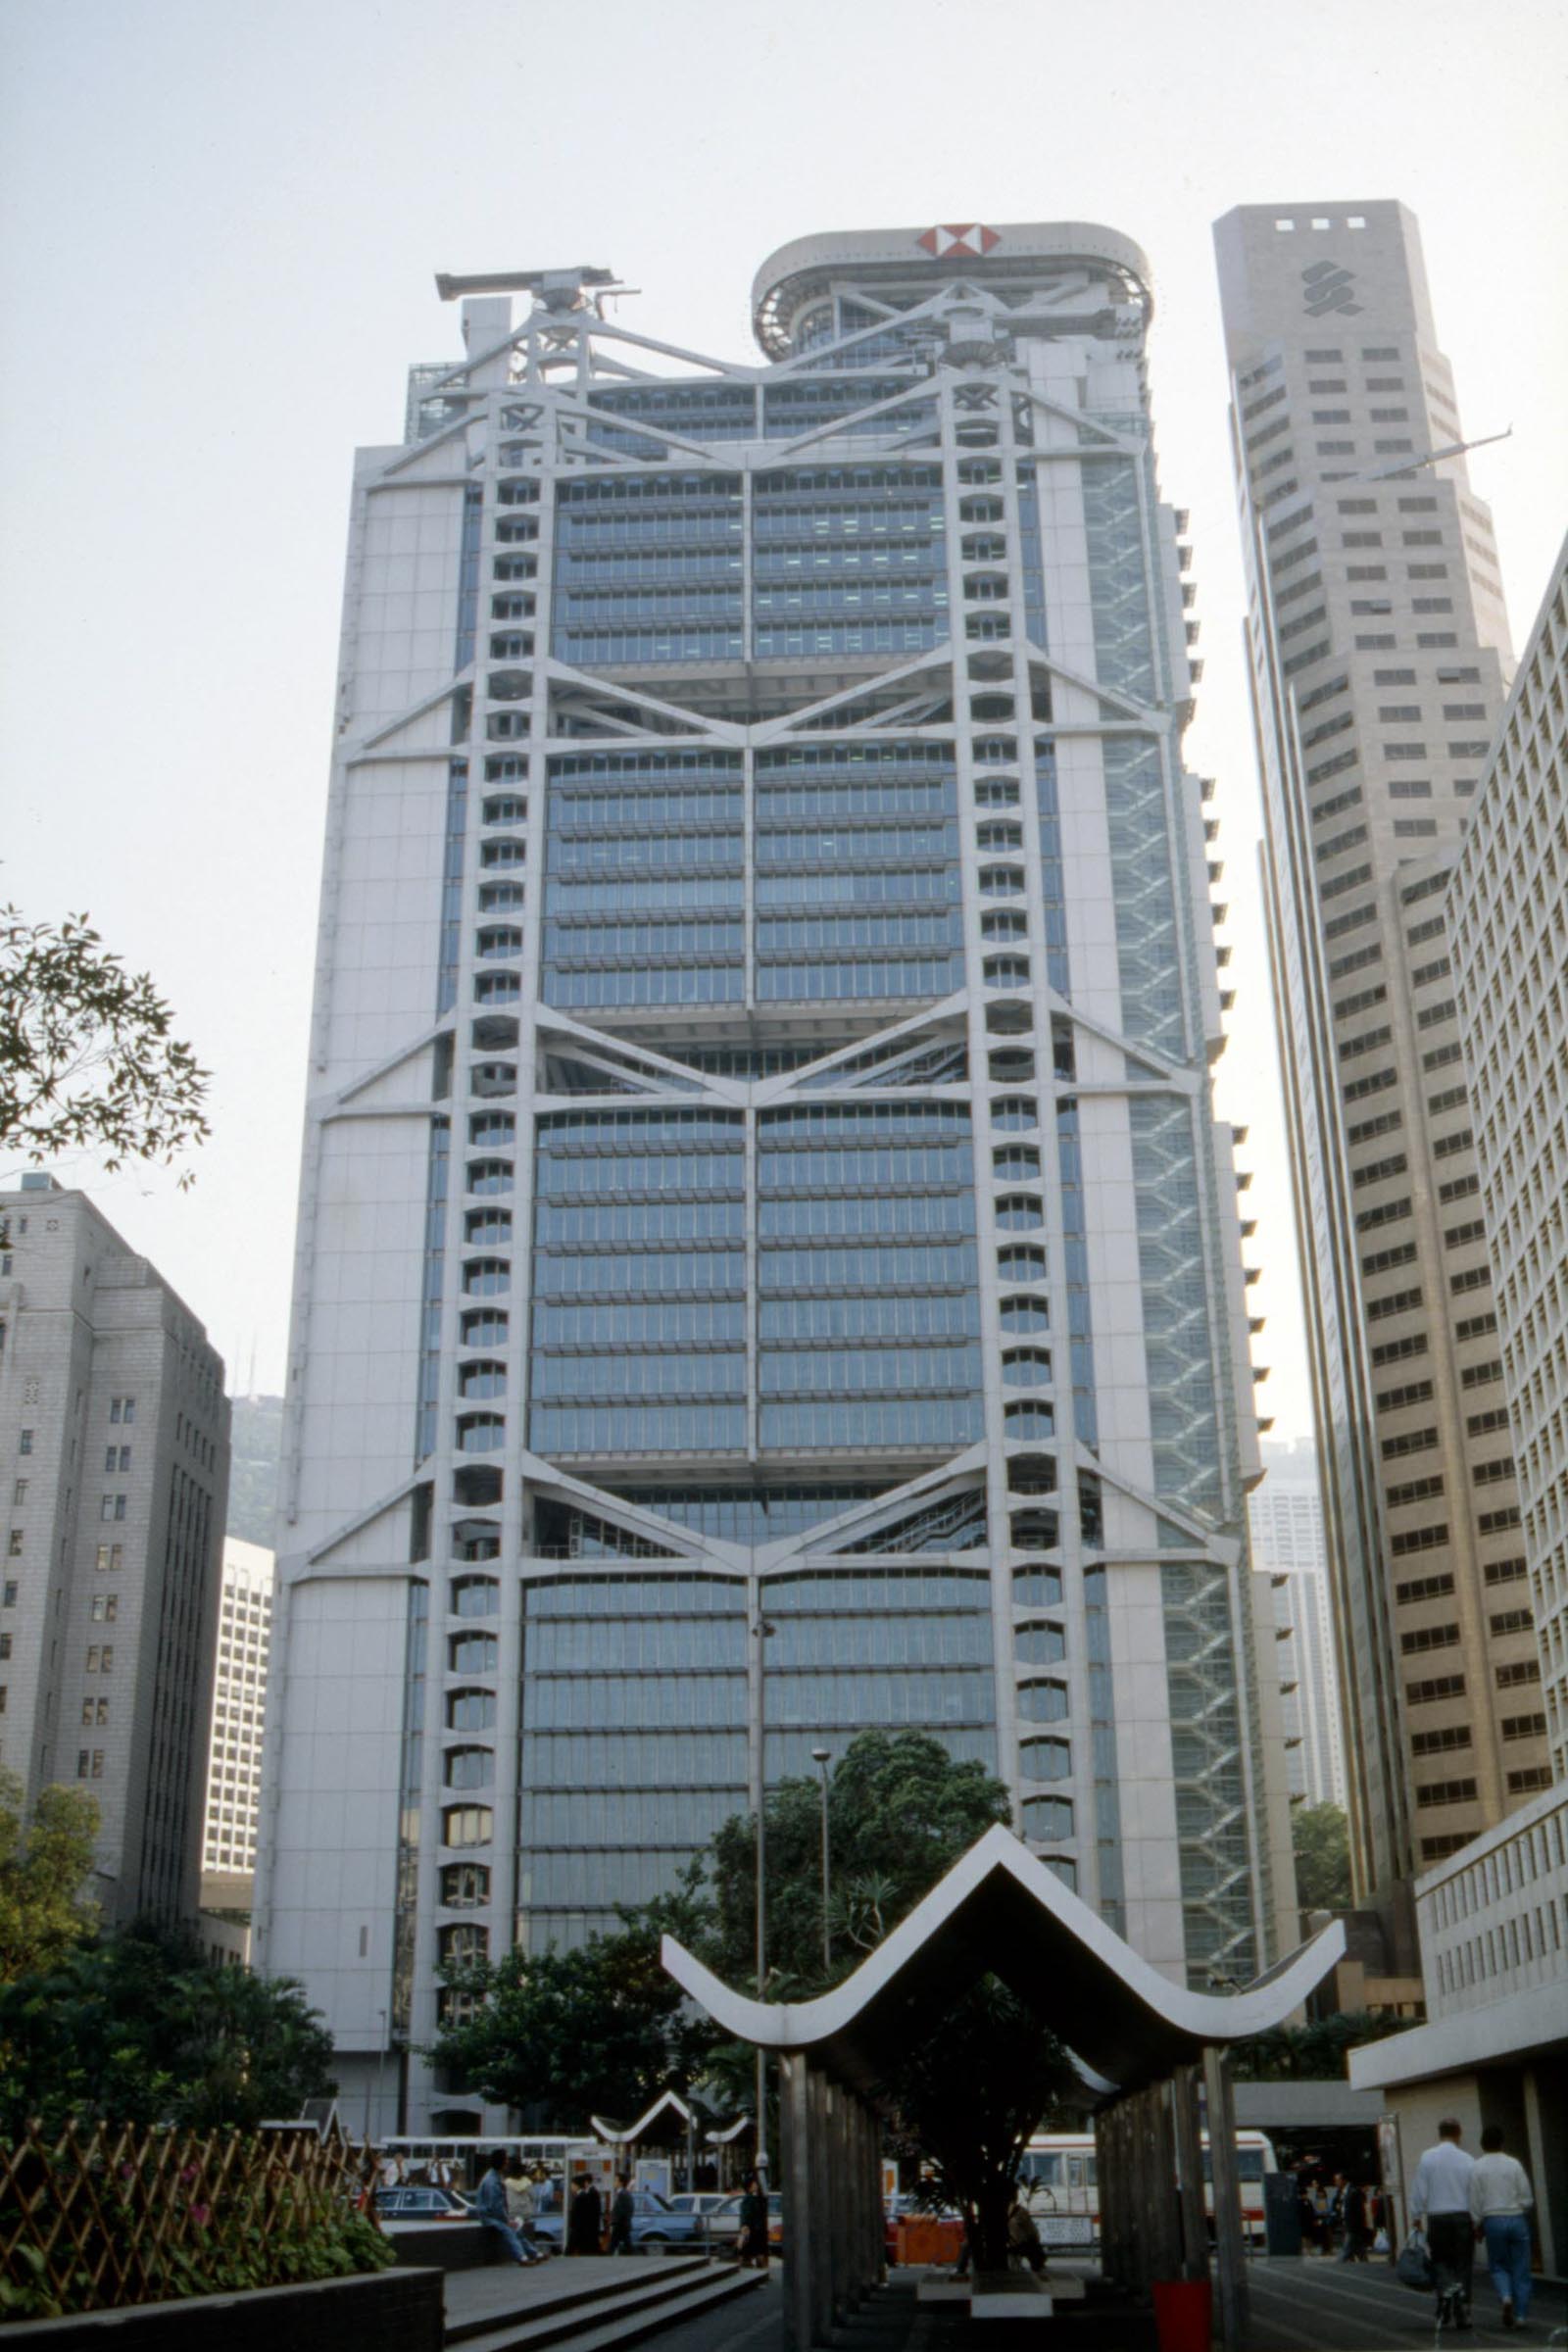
905, 266
1000, 1910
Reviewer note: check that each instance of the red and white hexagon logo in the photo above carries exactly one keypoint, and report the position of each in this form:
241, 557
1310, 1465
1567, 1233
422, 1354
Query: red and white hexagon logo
958, 241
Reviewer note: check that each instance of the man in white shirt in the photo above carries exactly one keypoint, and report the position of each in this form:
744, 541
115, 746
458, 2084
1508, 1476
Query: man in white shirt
1440, 2197
1501, 2198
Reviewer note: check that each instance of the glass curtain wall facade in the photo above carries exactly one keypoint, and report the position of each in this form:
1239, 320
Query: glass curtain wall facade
761, 1111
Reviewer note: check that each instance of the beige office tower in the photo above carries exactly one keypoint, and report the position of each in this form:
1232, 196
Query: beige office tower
113, 1441
1510, 960
1380, 662
239, 1707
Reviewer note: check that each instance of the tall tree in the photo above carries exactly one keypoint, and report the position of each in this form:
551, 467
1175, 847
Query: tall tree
45, 1865
88, 1058
901, 1811
968, 2099
141, 2028
1321, 1838
600, 2030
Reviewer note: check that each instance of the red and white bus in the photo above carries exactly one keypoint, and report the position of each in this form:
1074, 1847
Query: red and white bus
1058, 2174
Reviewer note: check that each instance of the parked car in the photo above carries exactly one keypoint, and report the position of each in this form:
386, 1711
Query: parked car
726, 2218
415, 2201
718, 2213
653, 2223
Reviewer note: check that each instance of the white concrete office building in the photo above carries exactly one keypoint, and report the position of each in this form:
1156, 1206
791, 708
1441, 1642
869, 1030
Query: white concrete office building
1286, 1512
1380, 660
767, 1265
113, 1437
1508, 921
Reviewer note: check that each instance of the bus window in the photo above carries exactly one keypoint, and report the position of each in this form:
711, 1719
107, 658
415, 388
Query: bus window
1094, 2171
1249, 2163
1043, 2165
1075, 2171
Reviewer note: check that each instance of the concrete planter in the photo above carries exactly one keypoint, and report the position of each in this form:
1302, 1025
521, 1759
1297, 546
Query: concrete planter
396, 2311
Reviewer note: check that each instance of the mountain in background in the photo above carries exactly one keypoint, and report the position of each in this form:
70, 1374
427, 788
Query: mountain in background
257, 1438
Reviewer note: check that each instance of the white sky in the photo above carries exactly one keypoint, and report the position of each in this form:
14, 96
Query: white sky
220, 220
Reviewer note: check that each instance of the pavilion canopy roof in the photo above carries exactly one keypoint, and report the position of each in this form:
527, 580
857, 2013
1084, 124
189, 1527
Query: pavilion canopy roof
1002, 1910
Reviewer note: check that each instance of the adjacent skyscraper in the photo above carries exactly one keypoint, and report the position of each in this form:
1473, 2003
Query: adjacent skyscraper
239, 1707
1380, 654
1287, 1521
114, 1434
1506, 916
767, 1266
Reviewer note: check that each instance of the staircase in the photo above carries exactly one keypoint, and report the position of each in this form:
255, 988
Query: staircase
596, 2314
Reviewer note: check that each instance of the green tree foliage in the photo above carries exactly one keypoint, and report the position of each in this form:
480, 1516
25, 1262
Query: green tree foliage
601, 2031
967, 2100
88, 1058
45, 1864
1313, 2053
1321, 1838
140, 2028
900, 1814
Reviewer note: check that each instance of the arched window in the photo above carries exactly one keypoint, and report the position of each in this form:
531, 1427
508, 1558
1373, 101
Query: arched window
475, 1597
470, 1767
465, 1886
471, 1710
466, 1825
473, 1653
486, 1277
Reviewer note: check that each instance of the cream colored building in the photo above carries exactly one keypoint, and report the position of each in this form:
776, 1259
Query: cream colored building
1380, 660
1506, 914
235, 1751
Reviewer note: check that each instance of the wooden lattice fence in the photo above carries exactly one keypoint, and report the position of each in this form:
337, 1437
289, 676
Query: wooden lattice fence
107, 2215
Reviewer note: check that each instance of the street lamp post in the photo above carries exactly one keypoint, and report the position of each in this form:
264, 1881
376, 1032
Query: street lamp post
760, 1631
821, 1757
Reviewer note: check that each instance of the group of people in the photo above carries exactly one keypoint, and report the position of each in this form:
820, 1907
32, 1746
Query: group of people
1340, 2217
1456, 2200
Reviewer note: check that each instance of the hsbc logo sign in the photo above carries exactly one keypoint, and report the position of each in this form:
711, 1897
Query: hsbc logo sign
958, 241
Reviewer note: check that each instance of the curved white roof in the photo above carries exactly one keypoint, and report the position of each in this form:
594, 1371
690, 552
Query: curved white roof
1002, 1909
1008, 251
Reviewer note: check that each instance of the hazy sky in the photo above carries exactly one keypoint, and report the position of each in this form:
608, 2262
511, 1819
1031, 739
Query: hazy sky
220, 223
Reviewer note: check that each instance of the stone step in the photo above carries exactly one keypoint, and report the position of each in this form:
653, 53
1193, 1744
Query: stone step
610, 2317
563, 2287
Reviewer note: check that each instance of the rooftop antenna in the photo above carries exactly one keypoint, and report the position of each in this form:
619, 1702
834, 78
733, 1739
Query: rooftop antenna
580, 287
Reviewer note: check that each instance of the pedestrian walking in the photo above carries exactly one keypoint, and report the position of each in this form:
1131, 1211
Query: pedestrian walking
585, 2221
1355, 2223
523, 2205
1023, 2236
1440, 2199
753, 2246
1501, 2198
622, 2211
490, 2204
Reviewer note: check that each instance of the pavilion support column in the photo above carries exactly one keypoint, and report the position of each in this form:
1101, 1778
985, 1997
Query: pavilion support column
1107, 2167
835, 2118
1166, 2248
1230, 2246
873, 2252
1188, 2133
1142, 2186
795, 2128
822, 2185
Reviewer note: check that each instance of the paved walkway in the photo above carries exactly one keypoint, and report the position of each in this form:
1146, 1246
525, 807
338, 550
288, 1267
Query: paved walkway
1305, 2306
1315, 2306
